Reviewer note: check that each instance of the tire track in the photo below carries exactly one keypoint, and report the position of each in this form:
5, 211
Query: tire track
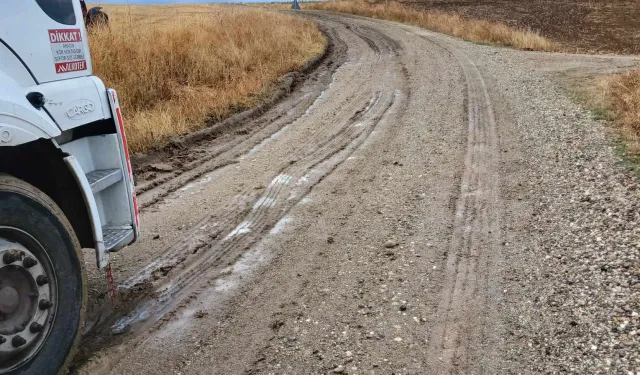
225, 142
475, 234
266, 212
187, 269
230, 215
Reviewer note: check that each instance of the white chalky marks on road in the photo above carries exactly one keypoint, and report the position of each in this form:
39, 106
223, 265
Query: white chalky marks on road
265, 141
264, 202
242, 228
279, 227
303, 180
281, 179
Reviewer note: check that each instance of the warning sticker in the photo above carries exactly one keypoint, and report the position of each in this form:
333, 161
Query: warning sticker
68, 50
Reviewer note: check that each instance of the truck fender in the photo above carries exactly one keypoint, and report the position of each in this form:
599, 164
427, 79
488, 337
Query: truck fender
20, 122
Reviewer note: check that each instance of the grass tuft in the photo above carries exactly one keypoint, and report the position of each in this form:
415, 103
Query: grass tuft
481, 31
622, 96
176, 66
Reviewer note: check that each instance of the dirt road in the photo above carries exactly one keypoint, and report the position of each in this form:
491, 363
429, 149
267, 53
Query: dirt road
416, 205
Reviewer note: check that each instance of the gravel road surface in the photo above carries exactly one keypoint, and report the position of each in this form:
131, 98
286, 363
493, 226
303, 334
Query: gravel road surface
414, 205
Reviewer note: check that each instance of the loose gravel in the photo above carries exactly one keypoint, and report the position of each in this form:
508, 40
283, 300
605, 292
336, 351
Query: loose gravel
578, 259
366, 274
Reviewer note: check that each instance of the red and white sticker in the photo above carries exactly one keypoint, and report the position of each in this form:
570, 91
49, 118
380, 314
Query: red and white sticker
68, 50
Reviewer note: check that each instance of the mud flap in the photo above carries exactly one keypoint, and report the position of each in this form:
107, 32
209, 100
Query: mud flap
111, 285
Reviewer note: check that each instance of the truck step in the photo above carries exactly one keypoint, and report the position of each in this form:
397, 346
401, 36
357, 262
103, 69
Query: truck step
116, 239
103, 178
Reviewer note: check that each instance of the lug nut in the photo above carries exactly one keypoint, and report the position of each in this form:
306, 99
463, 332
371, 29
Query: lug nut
2, 340
18, 341
29, 262
42, 280
10, 257
36, 327
44, 304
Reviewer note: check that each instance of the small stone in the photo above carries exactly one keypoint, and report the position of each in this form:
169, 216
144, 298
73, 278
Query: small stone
201, 314
398, 339
348, 353
338, 370
390, 244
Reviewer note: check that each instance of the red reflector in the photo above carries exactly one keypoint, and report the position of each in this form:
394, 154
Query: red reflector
124, 139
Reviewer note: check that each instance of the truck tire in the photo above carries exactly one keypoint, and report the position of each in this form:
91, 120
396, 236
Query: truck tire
36, 241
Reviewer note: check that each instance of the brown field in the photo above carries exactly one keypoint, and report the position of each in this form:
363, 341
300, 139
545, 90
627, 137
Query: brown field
600, 26
448, 23
176, 66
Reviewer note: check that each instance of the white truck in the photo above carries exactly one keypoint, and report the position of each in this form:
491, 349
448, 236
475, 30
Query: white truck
65, 182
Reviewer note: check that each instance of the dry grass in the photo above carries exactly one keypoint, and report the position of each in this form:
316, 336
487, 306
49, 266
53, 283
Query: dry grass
621, 95
447, 23
175, 66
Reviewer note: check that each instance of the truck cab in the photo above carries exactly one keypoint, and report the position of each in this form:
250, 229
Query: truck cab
65, 181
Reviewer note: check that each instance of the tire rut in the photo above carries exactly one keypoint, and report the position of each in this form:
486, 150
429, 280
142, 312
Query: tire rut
265, 212
187, 269
223, 143
475, 235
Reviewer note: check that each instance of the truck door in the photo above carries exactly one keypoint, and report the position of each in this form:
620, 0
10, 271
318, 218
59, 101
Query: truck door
48, 36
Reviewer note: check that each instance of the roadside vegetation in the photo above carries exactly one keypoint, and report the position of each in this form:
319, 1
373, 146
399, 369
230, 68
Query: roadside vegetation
482, 31
614, 98
175, 67
617, 99
623, 93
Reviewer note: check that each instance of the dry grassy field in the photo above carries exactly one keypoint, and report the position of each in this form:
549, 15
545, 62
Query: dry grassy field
475, 30
175, 66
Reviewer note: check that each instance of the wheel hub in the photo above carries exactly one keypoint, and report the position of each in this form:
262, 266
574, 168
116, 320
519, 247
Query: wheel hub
9, 299
27, 302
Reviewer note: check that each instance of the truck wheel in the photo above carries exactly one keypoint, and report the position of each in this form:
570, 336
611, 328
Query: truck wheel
42, 289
